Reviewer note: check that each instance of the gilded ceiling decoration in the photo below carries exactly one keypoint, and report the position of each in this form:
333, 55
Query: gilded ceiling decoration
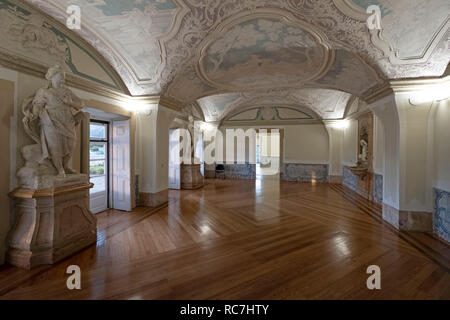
190, 50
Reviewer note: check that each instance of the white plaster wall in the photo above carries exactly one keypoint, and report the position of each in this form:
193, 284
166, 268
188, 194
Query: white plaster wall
152, 147
8, 159
308, 143
146, 148
386, 111
350, 143
336, 136
378, 147
441, 177
416, 147
165, 118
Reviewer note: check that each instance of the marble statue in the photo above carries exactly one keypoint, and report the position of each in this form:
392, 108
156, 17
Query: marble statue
51, 204
363, 156
51, 117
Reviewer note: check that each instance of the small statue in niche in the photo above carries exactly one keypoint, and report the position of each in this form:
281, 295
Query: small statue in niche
50, 121
363, 156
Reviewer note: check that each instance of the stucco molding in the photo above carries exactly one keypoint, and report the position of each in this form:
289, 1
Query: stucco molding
378, 39
25, 66
350, 9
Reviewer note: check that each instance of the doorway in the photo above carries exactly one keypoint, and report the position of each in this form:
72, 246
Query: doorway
99, 165
174, 159
268, 155
108, 161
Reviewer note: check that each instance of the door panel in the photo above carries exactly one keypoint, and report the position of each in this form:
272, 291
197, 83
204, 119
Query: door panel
121, 169
174, 159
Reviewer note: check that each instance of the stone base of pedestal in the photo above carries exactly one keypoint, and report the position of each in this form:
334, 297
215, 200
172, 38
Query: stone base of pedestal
51, 224
191, 176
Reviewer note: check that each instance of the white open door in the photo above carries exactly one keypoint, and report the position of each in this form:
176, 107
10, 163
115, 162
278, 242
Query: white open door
198, 152
174, 159
121, 169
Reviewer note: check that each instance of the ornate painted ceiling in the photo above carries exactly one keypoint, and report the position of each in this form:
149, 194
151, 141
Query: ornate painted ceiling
227, 54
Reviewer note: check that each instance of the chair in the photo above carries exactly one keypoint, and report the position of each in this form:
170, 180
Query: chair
220, 171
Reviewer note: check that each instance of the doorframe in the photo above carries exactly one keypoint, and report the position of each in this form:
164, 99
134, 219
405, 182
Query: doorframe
171, 130
281, 132
108, 157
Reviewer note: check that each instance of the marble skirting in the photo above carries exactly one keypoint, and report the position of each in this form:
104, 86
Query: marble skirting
349, 179
408, 220
304, 172
361, 185
335, 179
378, 188
153, 199
240, 171
441, 214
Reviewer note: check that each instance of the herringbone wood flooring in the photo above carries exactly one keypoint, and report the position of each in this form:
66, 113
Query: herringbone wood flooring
237, 239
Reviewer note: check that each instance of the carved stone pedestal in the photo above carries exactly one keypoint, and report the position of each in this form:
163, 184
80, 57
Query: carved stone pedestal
51, 223
191, 176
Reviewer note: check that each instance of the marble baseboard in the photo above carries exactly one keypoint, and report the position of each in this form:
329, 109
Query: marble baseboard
335, 179
304, 172
441, 214
245, 171
361, 185
349, 179
408, 220
153, 199
378, 188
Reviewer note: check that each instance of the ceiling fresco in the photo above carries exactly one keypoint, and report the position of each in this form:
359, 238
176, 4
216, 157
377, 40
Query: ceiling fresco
261, 52
411, 37
323, 103
197, 50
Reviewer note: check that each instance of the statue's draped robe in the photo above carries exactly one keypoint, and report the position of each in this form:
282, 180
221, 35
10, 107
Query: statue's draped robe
50, 122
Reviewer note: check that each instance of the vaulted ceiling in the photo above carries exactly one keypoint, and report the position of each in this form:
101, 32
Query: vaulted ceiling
231, 54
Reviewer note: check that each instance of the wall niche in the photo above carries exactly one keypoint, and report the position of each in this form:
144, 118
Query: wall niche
364, 167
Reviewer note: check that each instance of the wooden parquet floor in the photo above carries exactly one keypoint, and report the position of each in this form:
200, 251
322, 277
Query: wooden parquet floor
237, 239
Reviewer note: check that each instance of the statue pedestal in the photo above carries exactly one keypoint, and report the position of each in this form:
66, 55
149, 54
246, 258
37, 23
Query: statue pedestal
191, 176
52, 223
